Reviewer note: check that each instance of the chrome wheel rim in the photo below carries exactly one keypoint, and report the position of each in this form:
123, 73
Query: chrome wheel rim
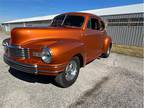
71, 70
109, 50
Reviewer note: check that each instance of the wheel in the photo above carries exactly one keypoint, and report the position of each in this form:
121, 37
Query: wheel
69, 76
106, 55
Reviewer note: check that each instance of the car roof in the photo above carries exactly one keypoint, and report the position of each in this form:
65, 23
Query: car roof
82, 14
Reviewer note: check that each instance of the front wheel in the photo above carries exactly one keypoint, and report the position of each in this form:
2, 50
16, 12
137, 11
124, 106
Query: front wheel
69, 76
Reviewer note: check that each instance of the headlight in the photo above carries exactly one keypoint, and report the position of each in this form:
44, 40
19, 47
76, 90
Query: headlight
46, 55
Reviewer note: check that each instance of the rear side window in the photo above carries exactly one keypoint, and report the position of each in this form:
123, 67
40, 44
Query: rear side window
93, 23
102, 25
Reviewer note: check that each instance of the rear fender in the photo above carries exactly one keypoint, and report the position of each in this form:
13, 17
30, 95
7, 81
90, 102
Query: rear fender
107, 42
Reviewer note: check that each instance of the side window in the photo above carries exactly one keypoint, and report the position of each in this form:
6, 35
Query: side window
93, 24
102, 25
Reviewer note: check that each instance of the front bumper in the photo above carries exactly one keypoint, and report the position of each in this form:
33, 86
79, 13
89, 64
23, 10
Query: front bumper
33, 69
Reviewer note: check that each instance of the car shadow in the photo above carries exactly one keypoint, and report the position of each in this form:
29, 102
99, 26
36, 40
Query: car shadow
32, 78
89, 95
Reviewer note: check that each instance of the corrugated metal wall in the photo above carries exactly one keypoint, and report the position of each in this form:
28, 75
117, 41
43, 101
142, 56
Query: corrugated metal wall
28, 24
126, 29
38, 24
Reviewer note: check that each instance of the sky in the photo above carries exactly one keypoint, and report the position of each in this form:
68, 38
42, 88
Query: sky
16, 9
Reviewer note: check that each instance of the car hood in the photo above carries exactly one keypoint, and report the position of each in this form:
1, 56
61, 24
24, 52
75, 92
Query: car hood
40, 43
20, 36
53, 44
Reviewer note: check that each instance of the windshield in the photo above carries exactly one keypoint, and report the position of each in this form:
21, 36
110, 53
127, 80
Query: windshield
68, 20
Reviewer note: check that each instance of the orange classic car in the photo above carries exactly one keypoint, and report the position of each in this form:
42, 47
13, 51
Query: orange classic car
70, 42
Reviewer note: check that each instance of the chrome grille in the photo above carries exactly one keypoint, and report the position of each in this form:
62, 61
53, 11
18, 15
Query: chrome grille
18, 52
15, 50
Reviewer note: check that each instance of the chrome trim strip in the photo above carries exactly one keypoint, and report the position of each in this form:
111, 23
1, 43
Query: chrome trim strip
14, 46
50, 72
60, 66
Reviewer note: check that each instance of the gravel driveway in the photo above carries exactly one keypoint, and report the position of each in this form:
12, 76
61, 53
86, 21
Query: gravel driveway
116, 82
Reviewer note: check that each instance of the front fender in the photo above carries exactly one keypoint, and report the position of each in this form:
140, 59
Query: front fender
64, 50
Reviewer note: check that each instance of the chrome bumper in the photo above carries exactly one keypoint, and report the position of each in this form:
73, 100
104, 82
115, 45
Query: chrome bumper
29, 68
21, 67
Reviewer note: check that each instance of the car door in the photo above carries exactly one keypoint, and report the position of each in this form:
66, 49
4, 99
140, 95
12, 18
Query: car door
93, 39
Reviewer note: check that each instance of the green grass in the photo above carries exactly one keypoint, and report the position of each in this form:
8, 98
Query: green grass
129, 50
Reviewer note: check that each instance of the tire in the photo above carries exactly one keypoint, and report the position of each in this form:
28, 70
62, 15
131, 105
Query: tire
106, 55
63, 79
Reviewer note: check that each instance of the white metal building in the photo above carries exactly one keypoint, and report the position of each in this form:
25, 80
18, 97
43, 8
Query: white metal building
125, 23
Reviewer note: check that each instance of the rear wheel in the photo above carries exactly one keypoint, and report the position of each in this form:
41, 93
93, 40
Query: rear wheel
105, 55
69, 76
